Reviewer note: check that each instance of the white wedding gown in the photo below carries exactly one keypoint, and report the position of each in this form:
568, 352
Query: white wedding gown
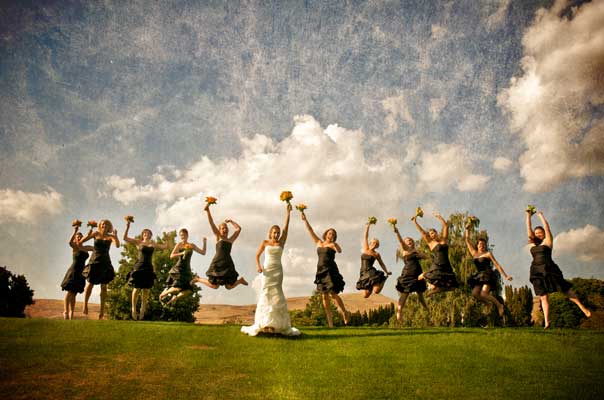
271, 310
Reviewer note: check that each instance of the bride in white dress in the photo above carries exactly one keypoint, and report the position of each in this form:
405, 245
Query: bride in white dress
272, 315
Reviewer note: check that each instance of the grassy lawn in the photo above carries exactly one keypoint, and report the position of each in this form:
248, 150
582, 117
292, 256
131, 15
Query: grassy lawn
42, 358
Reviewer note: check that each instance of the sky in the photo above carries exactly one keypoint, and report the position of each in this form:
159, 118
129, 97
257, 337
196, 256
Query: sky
360, 108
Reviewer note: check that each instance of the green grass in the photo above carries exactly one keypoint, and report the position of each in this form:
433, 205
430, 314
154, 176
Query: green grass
42, 358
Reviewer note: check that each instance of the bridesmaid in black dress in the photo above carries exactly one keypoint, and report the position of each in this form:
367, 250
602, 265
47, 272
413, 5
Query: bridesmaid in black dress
485, 278
74, 282
545, 275
440, 276
222, 270
328, 279
142, 276
99, 269
408, 282
180, 275
371, 280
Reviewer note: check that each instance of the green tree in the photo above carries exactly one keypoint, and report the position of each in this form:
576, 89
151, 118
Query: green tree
519, 303
15, 294
120, 292
314, 313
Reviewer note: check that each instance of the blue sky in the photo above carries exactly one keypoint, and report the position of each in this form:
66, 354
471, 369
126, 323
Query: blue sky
359, 108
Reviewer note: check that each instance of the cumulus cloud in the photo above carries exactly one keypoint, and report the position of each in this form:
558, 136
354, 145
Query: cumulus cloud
448, 167
502, 164
584, 243
27, 207
553, 104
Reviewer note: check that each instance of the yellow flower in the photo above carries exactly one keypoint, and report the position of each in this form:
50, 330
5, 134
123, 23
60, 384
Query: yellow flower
531, 208
92, 224
301, 207
419, 212
76, 222
392, 221
129, 218
211, 200
372, 220
286, 196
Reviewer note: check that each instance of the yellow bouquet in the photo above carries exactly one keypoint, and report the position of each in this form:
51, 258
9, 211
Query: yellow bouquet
76, 222
531, 209
419, 212
92, 224
472, 221
372, 220
392, 222
211, 200
129, 218
286, 196
301, 207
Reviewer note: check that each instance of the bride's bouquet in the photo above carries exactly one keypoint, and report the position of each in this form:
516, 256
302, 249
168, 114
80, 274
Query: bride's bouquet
472, 222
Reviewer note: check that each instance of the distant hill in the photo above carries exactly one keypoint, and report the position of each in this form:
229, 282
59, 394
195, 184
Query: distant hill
210, 313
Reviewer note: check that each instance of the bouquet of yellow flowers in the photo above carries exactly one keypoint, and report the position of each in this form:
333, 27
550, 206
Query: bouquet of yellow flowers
129, 218
392, 222
188, 248
76, 222
419, 212
531, 209
472, 221
286, 196
372, 220
92, 224
211, 200
301, 207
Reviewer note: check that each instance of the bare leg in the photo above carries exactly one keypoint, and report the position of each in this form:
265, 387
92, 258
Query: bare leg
87, 293
327, 306
66, 302
240, 281
103, 298
167, 291
545, 307
135, 293
572, 296
180, 295
340, 304
402, 299
433, 290
72, 304
144, 300
420, 297
378, 288
206, 282
366, 293
488, 297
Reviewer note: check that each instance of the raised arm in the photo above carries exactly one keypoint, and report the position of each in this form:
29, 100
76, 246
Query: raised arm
128, 239
285, 226
549, 240
258, 254
114, 238
88, 236
312, 234
400, 239
211, 221
379, 260
72, 240
445, 231
529, 226
499, 267
201, 251
338, 248
366, 237
235, 234
420, 229
471, 247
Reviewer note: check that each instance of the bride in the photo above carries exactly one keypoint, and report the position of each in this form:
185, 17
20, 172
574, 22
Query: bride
271, 312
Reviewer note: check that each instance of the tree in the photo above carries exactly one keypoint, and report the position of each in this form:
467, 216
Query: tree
519, 303
314, 313
120, 292
15, 294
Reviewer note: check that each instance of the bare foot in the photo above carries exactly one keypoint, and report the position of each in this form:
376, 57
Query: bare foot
85, 310
588, 314
101, 316
65, 315
347, 316
243, 281
134, 316
546, 327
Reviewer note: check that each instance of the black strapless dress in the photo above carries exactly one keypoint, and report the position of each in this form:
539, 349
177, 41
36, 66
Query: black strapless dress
142, 275
407, 282
369, 276
99, 269
328, 278
180, 274
441, 273
74, 281
545, 275
222, 269
485, 274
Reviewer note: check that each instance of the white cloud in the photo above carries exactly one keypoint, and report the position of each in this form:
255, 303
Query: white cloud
551, 105
584, 243
448, 167
502, 164
27, 207
396, 109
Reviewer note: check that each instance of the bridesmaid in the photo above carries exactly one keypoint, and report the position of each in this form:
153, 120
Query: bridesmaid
485, 279
371, 280
440, 276
74, 282
408, 282
545, 275
142, 277
222, 270
328, 279
99, 269
180, 275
